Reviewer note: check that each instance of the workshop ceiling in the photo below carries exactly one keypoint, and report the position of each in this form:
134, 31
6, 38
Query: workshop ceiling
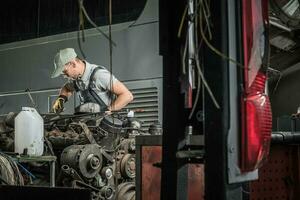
22, 20
284, 33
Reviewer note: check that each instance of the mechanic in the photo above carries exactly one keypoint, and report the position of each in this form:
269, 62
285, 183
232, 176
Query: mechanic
94, 83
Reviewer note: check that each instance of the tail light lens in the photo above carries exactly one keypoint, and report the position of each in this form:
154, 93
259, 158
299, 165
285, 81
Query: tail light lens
256, 111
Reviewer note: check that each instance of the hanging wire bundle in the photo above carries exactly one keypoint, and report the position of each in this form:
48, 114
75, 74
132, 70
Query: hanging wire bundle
9, 171
203, 34
201, 10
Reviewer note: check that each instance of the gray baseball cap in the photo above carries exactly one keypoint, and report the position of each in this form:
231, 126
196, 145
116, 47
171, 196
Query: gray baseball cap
61, 58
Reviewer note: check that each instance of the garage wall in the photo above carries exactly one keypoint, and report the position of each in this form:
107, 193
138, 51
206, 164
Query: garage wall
28, 64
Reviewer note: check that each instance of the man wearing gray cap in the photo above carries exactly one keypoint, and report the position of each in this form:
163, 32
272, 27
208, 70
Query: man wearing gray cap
95, 84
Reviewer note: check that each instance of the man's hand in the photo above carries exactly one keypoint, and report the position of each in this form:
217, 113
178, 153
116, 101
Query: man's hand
108, 111
58, 105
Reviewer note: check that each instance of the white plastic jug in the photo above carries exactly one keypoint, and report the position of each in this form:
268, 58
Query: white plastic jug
29, 132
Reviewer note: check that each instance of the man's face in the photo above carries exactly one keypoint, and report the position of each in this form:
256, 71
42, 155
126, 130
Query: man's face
71, 69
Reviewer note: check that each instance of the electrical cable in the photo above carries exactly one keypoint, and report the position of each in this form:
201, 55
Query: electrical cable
277, 83
110, 57
80, 28
26, 170
9, 170
79, 42
184, 55
196, 31
31, 99
197, 65
200, 74
3, 181
198, 69
206, 16
18, 178
216, 51
181, 22
81, 6
48, 143
198, 88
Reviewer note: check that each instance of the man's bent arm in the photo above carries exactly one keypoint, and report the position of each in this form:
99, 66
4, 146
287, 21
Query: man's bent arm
124, 96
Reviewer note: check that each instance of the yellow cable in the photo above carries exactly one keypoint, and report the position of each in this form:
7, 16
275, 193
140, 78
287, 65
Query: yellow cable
181, 22
216, 51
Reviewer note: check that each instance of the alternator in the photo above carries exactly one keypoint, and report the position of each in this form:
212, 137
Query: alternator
86, 159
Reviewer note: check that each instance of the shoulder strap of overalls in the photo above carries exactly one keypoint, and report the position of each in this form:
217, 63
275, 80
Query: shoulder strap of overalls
93, 93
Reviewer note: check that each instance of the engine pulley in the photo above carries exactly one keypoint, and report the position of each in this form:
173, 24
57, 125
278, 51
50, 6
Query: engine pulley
86, 159
128, 166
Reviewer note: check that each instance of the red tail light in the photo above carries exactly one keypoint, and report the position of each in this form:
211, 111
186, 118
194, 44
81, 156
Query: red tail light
256, 110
